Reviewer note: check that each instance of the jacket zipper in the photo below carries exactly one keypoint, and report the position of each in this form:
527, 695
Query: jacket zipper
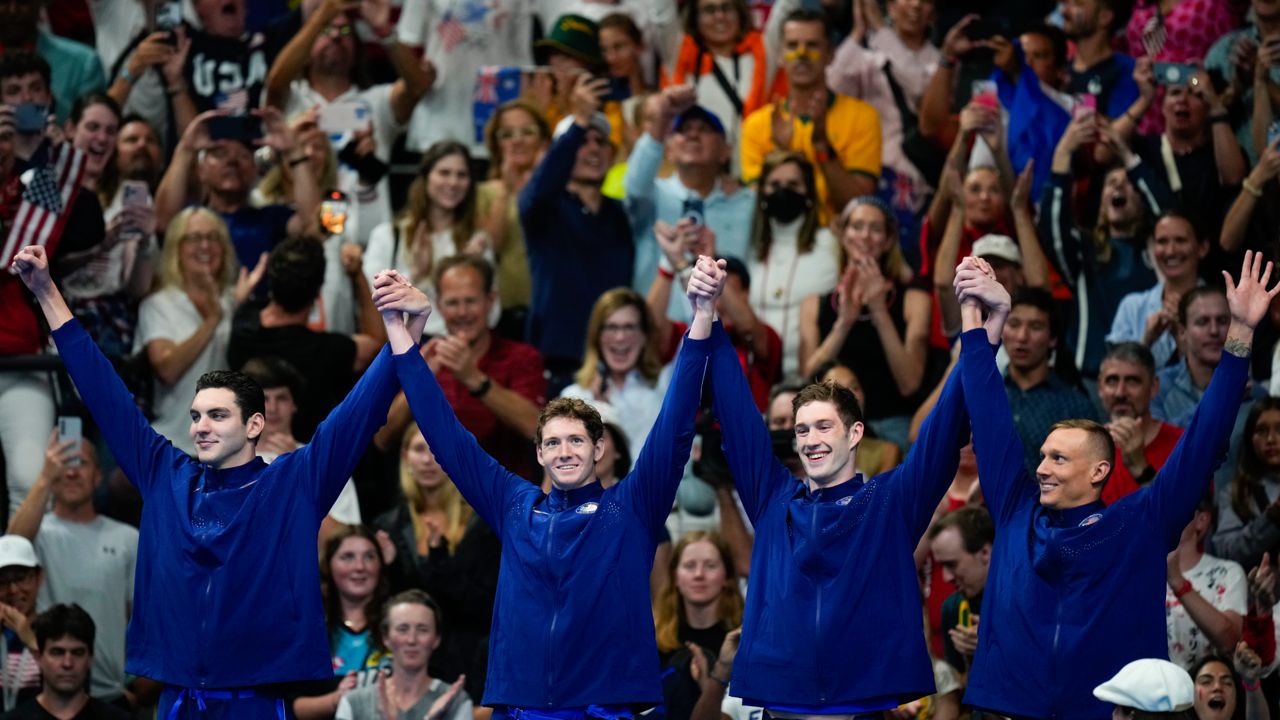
817, 610
555, 613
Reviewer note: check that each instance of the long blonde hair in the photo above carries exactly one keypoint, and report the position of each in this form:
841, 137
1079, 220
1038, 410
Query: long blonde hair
170, 272
456, 510
668, 606
613, 300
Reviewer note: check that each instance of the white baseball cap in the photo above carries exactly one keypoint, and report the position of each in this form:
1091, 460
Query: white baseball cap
17, 550
1001, 246
598, 121
1150, 685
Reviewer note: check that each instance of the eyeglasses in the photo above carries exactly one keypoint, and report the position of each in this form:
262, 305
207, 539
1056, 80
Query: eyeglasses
620, 328
726, 8
338, 31
16, 577
528, 131
208, 237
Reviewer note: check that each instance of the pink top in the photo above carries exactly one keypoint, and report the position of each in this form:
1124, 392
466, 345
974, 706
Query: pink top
1190, 28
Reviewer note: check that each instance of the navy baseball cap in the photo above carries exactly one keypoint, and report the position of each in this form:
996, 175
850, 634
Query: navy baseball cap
697, 112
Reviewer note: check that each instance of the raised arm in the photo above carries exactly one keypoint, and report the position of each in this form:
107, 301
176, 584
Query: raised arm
999, 451
1252, 190
1035, 266
1183, 480
138, 449
653, 481
551, 176
484, 483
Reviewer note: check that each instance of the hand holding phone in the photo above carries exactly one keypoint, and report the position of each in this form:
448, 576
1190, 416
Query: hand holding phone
70, 427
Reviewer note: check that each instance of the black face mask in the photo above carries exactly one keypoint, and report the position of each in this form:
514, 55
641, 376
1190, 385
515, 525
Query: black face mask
785, 205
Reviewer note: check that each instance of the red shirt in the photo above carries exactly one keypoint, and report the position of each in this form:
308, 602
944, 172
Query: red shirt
762, 373
518, 368
1122, 482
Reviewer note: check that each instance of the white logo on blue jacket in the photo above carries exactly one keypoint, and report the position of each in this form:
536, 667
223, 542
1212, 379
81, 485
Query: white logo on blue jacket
587, 508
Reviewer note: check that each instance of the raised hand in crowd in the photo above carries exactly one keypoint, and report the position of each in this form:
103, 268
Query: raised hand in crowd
247, 280
1262, 585
58, 454
782, 129
1247, 663
957, 42
588, 97
20, 624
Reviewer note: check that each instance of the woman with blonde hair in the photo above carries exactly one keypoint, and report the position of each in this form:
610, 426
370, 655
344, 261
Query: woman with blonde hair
621, 365
439, 220
792, 255
697, 607
184, 326
516, 135
432, 540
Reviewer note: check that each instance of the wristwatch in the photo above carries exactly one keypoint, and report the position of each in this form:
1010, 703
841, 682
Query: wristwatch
483, 388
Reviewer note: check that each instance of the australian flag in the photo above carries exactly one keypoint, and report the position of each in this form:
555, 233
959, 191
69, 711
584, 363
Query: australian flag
495, 84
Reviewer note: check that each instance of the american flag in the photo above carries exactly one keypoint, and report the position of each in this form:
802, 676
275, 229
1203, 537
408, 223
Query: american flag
451, 32
45, 201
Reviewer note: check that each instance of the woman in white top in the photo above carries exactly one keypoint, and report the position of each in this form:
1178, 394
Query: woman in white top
621, 364
184, 326
792, 255
439, 220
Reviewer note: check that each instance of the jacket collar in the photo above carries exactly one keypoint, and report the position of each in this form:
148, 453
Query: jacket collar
832, 494
230, 478
558, 499
1076, 516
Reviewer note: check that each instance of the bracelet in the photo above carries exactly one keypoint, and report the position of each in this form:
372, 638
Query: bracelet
821, 157
484, 388
1183, 589
1219, 118
295, 162
175, 90
664, 272
1250, 188
1250, 686
946, 62
725, 683
128, 76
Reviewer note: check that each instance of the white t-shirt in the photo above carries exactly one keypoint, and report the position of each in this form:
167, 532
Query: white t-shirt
733, 707
115, 24
385, 253
1223, 584
91, 564
780, 284
168, 314
369, 206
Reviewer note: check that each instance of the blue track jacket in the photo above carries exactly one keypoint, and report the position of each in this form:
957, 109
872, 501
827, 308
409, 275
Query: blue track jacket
572, 625
227, 585
833, 617
1072, 596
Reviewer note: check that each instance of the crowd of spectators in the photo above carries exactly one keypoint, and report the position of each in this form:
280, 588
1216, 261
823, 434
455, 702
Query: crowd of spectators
546, 172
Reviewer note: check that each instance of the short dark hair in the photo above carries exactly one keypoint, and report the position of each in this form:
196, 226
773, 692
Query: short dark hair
1133, 353
62, 621
1194, 294
296, 273
16, 63
412, 596
623, 22
1056, 37
271, 371
973, 523
88, 100
1042, 300
846, 402
247, 391
574, 409
806, 15
470, 260
734, 266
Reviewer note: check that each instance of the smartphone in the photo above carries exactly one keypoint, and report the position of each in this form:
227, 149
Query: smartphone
1086, 104
693, 210
135, 193
984, 93
30, 118
333, 213
1273, 132
619, 89
987, 27
343, 117
244, 128
1173, 74
70, 428
168, 15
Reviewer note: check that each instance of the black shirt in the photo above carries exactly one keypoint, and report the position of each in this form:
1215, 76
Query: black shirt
218, 67
93, 710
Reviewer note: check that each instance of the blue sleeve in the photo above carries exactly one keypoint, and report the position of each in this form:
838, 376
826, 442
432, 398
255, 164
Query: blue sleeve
1002, 470
549, 178
325, 463
651, 485
140, 451
1127, 324
924, 476
757, 474
1125, 92
1152, 188
486, 485
1188, 472
1058, 231
638, 181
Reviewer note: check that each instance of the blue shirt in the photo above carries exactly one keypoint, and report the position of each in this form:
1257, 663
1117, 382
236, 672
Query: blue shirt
227, 587
1037, 408
650, 198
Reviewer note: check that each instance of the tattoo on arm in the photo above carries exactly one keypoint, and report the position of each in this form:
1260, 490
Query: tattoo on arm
1237, 347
